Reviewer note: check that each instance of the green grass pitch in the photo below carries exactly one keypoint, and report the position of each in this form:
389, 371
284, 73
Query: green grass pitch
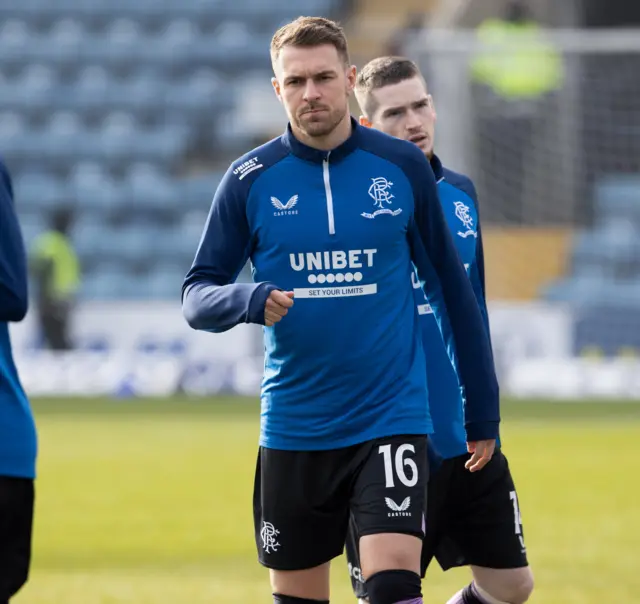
149, 502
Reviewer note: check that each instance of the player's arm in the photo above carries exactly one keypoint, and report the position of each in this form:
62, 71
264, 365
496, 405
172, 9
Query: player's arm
211, 300
454, 303
476, 275
476, 272
13, 261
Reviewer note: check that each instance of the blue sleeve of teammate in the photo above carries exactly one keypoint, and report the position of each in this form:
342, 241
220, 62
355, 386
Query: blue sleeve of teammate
476, 274
452, 298
211, 301
13, 261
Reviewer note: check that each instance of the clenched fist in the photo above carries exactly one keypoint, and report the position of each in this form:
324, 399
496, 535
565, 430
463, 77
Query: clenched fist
277, 306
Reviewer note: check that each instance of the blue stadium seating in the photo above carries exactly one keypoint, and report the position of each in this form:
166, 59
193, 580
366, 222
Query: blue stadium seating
604, 280
617, 197
103, 104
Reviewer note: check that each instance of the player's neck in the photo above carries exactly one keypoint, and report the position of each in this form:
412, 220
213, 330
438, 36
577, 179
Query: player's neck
332, 140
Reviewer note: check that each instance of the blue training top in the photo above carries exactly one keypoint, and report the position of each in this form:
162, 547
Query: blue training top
342, 229
18, 441
446, 402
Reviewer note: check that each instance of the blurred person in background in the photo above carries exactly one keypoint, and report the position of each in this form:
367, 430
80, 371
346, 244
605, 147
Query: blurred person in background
18, 440
56, 271
514, 73
473, 518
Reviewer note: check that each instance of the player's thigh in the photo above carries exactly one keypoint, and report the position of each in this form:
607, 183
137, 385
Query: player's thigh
487, 525
512, 585
389, 503
16, 525
301, 507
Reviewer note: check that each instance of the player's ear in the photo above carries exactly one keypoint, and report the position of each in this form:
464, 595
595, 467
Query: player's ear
364, 121
276, 88
352, 74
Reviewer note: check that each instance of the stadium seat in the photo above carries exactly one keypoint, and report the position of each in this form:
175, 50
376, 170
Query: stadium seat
65, 138
37, 191
618, 196
15, 37
181, 242
202, 92
132, 247
106, 283
89, 241
197, 192
12, 128
93, 189
65, 42
143, 91
92, 91
33, 223
149, 189
165, 281
615, 249
34, 89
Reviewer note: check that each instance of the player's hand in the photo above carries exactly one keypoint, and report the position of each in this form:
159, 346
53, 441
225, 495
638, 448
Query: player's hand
482, 452
277, 306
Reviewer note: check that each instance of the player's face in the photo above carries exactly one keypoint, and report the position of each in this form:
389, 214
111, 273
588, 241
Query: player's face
314, 85
405, 110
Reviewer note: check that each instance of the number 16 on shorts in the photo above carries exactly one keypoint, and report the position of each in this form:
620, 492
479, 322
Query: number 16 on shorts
401, 463
391, 488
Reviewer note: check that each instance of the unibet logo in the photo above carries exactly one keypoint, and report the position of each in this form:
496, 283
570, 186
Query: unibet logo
247, 167
336, 260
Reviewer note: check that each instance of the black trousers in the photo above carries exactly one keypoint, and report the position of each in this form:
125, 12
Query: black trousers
16, 527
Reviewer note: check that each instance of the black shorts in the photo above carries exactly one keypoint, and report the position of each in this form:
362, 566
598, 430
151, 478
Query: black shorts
472, 519
16, 523
303, 500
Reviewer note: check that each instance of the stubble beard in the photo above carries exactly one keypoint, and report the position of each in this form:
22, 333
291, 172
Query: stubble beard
324, 127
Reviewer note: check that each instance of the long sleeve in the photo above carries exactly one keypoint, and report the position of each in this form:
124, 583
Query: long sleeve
476, 272
13, 262
453, 300
476, 275
211, 300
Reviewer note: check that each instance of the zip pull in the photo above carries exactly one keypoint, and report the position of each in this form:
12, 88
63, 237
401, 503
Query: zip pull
328, 194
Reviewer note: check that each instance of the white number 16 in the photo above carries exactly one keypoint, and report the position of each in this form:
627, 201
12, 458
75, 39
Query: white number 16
401, 462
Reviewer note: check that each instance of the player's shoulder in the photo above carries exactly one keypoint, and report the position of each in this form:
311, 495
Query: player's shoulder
403, 154
247, 168
462, 182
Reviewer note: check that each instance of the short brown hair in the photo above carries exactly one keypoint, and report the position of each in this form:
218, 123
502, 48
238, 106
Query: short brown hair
381, 72
308, 32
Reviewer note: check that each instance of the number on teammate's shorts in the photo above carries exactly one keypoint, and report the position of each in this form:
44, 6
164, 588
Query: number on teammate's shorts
516, 512
400, 463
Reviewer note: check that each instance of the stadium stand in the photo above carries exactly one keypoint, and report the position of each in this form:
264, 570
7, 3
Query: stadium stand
116, 107
603, 280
